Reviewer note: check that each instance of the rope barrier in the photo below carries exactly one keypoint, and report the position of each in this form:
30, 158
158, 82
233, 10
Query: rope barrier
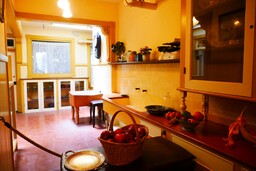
8, 125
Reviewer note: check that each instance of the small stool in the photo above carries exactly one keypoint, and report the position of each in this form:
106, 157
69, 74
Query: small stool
99, 105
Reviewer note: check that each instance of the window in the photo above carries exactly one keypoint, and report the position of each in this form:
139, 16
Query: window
49, 56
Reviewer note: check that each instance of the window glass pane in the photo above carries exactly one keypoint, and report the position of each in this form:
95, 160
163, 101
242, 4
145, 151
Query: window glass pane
218, 40
51, 57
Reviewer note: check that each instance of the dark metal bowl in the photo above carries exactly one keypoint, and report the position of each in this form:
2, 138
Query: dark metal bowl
188, 126
158, 110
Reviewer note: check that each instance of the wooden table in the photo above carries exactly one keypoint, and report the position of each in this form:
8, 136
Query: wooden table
82, 98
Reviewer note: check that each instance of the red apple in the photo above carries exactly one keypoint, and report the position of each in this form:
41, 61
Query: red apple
131, 132
119, 138
167, 115
129, 136
198, 116
118, 131
178, 115
105, 135
142, 131
172, 115
191, 120
131, 129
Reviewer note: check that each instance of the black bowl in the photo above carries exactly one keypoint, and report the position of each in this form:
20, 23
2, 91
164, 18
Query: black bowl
158, 110
188, 126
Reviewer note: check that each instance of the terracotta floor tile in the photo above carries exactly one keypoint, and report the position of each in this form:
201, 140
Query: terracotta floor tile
55, 131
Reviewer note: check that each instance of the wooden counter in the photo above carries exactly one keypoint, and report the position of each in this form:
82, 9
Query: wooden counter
208, 135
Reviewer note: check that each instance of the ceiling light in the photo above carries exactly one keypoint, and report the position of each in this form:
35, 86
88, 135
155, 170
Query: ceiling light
63, 4
67, 13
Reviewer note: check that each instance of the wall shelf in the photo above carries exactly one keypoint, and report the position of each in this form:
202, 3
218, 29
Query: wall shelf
141, 4
147, 62
249, 99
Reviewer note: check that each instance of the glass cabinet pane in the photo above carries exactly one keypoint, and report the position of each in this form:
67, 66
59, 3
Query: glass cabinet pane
65, 88
79, 85
48, 90
32, 95
218, 40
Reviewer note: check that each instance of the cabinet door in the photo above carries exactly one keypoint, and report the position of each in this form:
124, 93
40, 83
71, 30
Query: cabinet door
204, 158
64, 88
49, 95
218, 46
32, 96
80, 85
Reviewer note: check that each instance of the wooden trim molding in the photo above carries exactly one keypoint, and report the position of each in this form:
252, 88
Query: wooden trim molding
30, 38
107, 26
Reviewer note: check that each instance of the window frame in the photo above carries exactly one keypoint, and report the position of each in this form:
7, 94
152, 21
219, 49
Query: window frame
30, 38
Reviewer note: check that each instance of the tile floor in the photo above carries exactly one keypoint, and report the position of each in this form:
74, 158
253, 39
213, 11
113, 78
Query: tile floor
55, 131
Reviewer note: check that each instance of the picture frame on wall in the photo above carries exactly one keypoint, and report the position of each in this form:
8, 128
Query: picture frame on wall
1, 11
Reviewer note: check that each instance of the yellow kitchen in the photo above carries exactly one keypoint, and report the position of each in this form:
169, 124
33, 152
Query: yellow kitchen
162, 65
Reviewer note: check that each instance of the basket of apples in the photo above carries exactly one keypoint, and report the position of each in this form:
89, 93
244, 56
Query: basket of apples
188, 121
123, 145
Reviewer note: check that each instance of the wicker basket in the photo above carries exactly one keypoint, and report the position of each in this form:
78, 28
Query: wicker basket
244, 132
123, 153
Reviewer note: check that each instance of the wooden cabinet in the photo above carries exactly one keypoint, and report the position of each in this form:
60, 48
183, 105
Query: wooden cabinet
40, 95
63, 91
43, 95
218, 47
207, 160
204, 158
66, 85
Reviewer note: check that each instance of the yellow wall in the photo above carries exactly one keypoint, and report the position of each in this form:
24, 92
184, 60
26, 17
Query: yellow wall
2, 39
141, 27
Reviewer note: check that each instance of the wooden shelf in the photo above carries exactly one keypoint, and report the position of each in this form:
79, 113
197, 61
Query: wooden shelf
147, 62
249, 99
142, 4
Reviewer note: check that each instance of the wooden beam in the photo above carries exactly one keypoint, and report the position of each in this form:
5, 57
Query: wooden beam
11, 19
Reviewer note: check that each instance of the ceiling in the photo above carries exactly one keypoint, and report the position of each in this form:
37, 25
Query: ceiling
114, 1
48, 24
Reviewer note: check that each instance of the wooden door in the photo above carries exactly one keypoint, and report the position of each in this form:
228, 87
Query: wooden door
6, 152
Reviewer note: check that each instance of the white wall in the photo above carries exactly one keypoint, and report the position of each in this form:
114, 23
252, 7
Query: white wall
100, 72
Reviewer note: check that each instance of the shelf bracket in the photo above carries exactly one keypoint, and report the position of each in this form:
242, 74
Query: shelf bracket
141, 4
205, 105
183, 105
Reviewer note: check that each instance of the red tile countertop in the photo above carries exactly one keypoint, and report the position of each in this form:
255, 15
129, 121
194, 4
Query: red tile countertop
207, 134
